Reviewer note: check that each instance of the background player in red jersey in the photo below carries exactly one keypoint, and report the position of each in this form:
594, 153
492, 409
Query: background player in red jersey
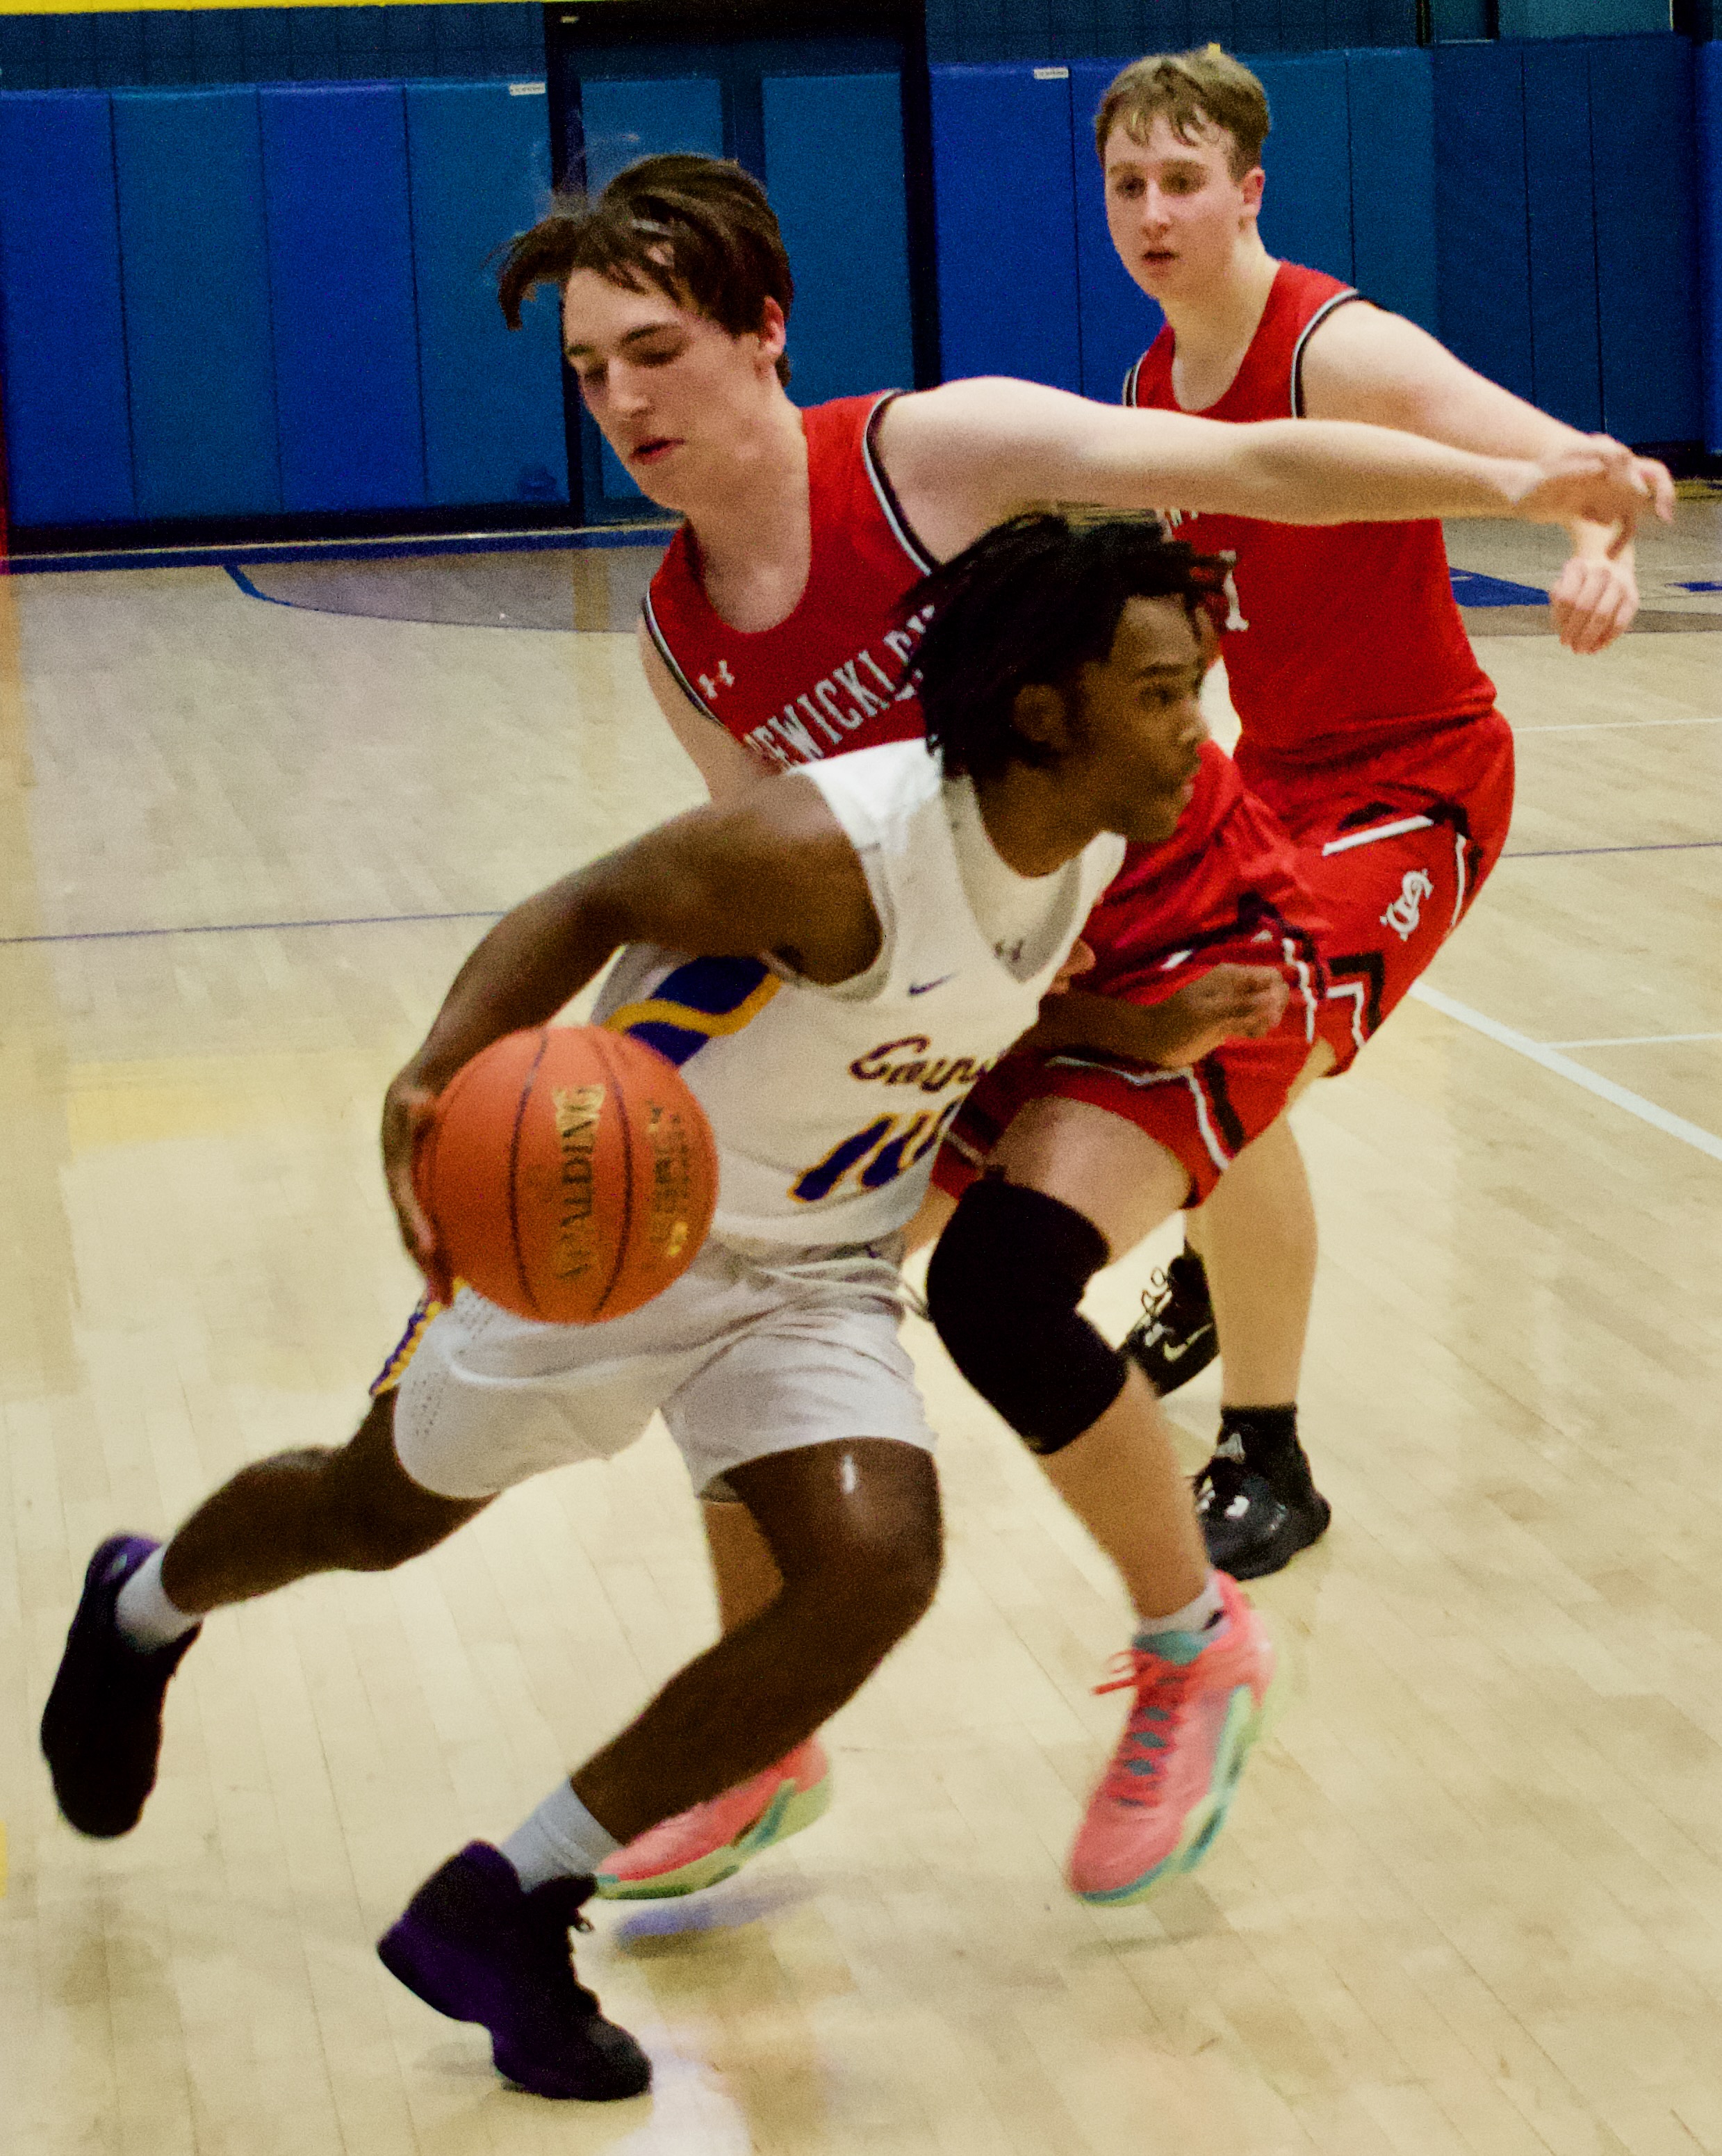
1367, 725
776, 635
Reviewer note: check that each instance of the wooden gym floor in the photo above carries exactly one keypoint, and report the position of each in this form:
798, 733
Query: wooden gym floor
1471, 1896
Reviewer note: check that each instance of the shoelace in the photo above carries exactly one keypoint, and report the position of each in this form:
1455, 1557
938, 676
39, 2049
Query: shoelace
1143, 1749
1220, 1485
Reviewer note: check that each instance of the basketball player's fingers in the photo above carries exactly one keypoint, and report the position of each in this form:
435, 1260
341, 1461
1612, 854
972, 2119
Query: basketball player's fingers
1079, 960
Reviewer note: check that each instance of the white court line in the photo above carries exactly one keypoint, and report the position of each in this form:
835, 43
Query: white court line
1615, 726
1635, 1040
1563, 1066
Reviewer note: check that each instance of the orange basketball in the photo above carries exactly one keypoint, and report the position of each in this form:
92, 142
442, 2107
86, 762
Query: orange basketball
570, 1174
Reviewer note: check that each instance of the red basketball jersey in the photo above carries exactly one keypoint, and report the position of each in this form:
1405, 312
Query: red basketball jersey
837, 674
1344, 638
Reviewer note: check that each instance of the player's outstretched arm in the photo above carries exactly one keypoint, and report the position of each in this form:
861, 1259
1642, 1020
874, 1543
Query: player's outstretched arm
1362, 363
965, 456
771, 873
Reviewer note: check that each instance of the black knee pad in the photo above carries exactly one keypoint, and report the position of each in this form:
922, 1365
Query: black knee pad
1002, 1289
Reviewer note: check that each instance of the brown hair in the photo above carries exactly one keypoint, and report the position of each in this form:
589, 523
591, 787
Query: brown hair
1190, 91
698, 229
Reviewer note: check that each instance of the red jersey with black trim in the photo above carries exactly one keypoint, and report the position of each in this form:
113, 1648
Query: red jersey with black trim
838, 672
1343, 640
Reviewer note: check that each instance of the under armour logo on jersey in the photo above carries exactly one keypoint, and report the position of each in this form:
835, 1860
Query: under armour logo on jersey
1402, 916
725, 680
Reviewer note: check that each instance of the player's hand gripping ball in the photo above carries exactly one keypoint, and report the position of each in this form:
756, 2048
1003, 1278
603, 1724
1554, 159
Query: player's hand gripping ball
569, 1173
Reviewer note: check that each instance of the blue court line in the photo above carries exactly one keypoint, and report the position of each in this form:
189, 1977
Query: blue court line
562, 537
250, 927
1660, 846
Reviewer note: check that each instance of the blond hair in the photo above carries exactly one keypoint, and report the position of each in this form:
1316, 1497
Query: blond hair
1190, 91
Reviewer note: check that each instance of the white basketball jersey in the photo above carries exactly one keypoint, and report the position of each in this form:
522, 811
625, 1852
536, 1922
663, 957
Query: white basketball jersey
829, 1103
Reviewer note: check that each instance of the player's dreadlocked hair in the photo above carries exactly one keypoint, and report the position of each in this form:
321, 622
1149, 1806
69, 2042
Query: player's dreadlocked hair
1031, 602
698, 229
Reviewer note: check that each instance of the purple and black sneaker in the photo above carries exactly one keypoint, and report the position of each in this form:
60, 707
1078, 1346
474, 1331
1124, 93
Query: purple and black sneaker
101, 1728
478, 1949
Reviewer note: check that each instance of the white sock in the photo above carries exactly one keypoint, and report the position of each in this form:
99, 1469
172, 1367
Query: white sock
1194, 1617
146, 1614
560, 1840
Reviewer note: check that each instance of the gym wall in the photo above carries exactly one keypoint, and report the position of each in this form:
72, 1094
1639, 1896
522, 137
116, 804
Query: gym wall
243, 301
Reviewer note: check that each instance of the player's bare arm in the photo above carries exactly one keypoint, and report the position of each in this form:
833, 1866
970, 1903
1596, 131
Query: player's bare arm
774, 873
964, 457
1364, 364
1227, 1003
727, 768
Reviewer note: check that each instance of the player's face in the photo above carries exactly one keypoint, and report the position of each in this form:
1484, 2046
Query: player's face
672, 390
1140, 728
1174, 210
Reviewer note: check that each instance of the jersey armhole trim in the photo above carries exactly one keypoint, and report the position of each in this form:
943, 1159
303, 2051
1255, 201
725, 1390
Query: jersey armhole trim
1327, 307
901, 528
1128, 394
668, 657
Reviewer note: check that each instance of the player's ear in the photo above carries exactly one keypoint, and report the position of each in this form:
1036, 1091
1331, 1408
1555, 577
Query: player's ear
773, 330
1040, 714
1253, 184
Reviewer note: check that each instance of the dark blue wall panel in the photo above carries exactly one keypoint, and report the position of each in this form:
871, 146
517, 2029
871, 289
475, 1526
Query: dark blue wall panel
1006, 223
195, 266
341, 275
478, 156
621, 120
1709, 153
1392, 101
1565, 354
68, 429
1647, 238
845, 222
1306, 212
1119, 320
1482, 230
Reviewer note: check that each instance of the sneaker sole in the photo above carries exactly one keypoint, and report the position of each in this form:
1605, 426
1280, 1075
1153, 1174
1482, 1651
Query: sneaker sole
790, 1810
1274, 1556
1246, 1725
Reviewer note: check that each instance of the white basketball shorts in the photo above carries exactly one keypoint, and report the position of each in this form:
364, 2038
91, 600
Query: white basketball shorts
746, 1356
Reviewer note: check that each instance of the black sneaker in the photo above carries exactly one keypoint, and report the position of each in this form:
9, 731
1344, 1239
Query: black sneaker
478, 1949
101, 1728
1256, 1517
1175, 1337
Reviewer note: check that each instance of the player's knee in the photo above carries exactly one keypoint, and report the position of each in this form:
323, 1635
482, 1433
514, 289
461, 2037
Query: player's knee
1003, 1289
875, 1580
368, 1515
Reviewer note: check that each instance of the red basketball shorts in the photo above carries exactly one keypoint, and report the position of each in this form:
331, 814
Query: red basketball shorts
1236, 897
1393, 850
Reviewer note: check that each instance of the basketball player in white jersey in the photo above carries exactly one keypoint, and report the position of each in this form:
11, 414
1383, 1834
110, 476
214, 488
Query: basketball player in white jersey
675, 295
885, 924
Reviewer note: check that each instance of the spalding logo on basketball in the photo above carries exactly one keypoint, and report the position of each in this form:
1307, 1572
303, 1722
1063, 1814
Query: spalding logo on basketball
570, 1174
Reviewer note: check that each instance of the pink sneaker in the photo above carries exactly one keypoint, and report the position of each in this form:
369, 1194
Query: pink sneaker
698, 1848
1198, 1710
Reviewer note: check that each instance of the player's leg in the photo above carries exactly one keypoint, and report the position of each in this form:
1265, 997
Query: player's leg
352, 1508
1071, 1183
712, 1840
854, 1530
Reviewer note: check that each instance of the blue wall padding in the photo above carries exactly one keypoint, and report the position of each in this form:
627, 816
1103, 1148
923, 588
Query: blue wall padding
68, 425
1391, 96
194, 260
622, 120
1482, 247
341, 272
1647, 238
845, 223
1566, 355
1006, 223
1306, 212
1708, 87
1119, 320
480, 160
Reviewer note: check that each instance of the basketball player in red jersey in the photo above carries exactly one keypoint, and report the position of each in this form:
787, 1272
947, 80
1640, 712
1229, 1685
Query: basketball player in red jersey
1368, 726
776, 635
